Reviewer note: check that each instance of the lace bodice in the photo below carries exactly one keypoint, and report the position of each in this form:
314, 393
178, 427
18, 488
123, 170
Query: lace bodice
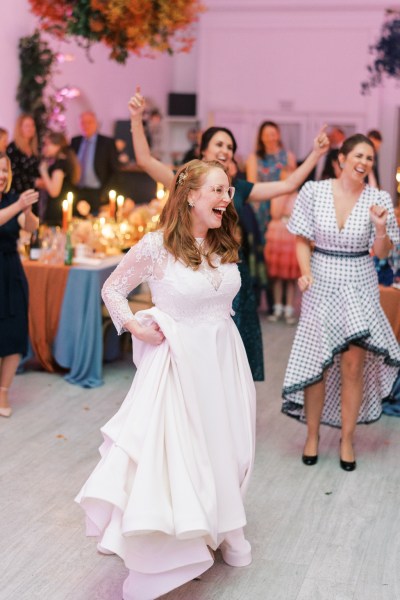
179, 291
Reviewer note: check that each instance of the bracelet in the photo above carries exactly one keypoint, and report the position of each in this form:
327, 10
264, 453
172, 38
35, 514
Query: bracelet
380, 237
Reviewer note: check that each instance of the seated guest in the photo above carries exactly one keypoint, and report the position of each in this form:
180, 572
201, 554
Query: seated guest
60, 173
23, 152
3, 140
15, 213
97, 155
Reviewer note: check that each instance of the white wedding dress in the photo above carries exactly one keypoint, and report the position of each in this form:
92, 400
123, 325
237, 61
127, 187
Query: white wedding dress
177, 456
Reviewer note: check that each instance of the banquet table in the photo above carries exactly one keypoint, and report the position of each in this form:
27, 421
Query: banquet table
78, 341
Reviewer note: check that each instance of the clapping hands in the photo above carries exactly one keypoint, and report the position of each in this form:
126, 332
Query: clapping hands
28, 198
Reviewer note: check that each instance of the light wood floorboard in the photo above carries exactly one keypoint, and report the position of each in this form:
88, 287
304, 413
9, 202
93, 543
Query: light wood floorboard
317, 533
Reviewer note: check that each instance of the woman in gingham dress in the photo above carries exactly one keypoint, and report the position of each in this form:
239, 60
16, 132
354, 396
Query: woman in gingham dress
345, 357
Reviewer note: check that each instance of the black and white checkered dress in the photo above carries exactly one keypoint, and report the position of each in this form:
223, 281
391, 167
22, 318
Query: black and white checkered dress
342, 306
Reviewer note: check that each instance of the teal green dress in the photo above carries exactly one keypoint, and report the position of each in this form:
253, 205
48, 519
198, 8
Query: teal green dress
244, 303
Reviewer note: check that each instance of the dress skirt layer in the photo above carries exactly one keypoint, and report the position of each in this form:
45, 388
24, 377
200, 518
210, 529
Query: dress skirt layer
333, 316
176, 457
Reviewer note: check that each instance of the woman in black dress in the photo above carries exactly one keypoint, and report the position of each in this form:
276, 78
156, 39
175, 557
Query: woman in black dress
15, 214
60, 172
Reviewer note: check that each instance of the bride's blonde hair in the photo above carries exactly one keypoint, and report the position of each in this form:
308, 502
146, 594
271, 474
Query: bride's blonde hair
176, 223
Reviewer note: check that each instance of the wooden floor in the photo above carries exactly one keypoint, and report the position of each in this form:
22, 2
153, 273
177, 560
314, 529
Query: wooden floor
317, 533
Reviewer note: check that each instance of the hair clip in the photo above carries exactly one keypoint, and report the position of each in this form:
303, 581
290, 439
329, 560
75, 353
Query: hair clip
182, 176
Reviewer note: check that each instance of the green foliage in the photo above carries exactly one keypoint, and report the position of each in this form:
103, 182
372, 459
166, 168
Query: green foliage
387, 53
36, 64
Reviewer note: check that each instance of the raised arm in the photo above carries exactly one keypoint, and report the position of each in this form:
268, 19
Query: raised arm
251, 168
382, 243
24, 202
153, 167
269, 189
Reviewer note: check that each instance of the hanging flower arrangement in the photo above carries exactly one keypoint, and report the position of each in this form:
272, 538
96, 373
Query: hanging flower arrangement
386, 52
141, 27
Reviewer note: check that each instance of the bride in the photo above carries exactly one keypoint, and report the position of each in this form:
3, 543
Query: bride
177, 456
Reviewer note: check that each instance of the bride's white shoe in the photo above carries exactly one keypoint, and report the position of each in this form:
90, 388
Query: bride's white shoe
236, 550
102, 550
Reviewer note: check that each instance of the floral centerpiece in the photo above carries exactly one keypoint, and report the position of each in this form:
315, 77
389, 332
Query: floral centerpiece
386, 52
126, 26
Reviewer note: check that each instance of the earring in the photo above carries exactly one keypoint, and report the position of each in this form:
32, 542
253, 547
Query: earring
341, 165
191, 204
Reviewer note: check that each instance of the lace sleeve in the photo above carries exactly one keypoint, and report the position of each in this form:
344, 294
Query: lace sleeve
137, 266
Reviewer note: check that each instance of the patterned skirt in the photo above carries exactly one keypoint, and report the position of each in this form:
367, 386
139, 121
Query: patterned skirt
341, 308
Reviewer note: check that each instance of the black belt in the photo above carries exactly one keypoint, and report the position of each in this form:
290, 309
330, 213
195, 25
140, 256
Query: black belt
342, 254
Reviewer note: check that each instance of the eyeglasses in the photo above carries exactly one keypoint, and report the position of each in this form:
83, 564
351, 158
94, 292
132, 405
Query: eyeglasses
221, 191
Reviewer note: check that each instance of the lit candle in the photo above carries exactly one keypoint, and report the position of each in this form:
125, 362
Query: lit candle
120, 204
65, 207
70, 200
111, 206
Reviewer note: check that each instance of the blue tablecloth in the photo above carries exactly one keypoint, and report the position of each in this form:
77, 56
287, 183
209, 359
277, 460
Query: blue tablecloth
78, 345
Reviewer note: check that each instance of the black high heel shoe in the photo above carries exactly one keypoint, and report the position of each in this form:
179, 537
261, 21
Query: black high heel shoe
309, 459
347, 465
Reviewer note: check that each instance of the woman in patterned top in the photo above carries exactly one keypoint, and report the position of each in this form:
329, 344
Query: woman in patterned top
268, 163
23, 152
345, 357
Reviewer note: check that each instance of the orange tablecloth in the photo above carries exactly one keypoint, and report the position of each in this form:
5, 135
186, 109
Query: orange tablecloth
390, 302
46, 291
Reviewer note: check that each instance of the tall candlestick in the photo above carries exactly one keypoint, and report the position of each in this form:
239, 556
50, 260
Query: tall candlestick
70, 200
111, 206
65, 207
120, 204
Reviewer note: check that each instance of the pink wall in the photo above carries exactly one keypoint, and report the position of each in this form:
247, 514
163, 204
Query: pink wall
298, 62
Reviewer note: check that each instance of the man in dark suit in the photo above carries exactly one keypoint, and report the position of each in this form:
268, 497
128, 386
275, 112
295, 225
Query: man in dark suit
98, 158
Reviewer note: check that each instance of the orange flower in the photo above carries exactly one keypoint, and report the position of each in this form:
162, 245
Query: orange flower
138, 26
